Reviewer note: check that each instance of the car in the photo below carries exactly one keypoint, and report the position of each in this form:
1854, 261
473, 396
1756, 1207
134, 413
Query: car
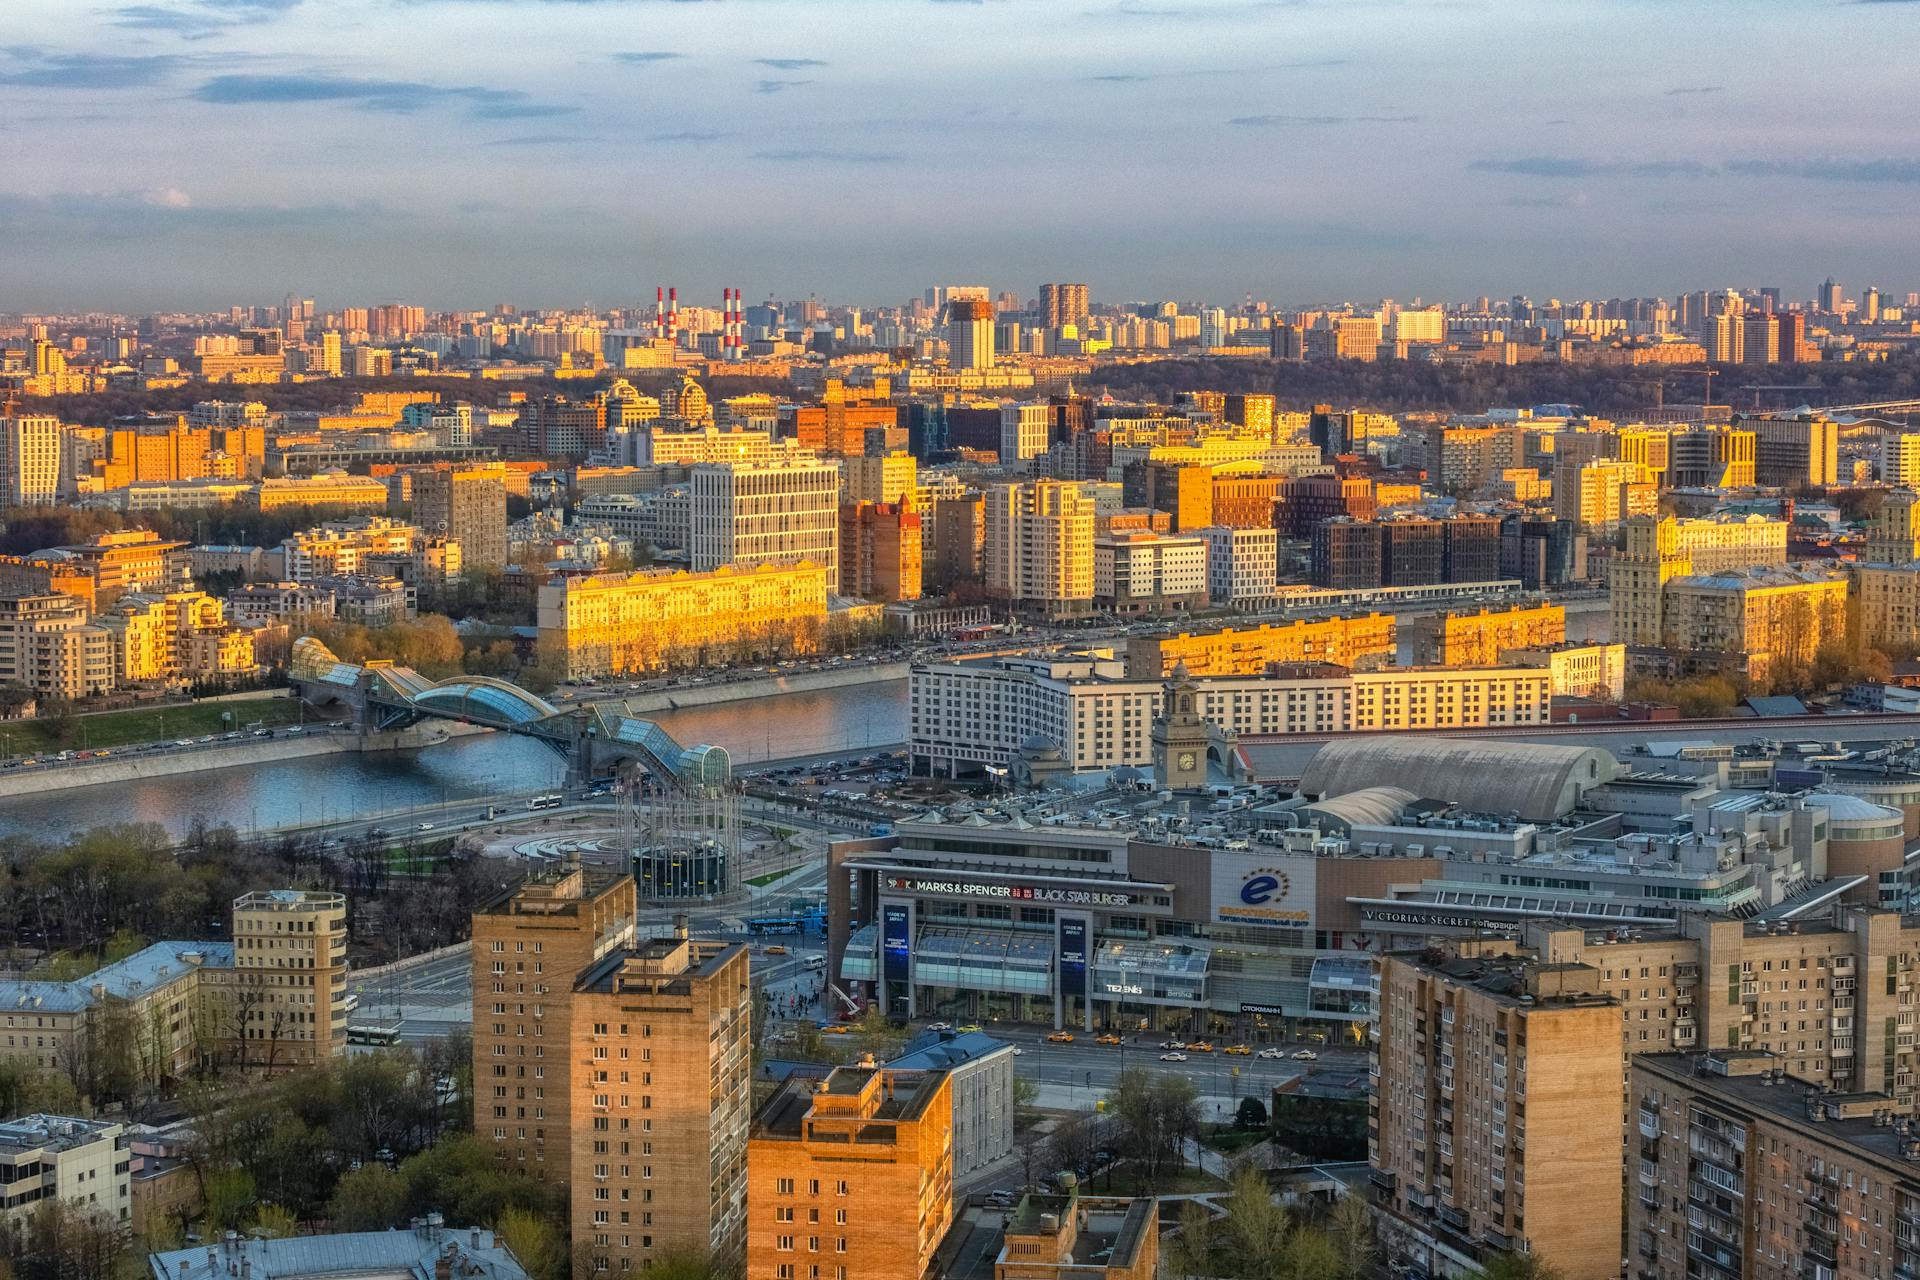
1018, 1051
1240, 1050
1305, 1055
1271, 1053
1200, 1046
1173, 1057
425, 826
1109, 1038
1173, 1044
1060, 1037
970, 1026
776, 950
836, 1029
939, 1026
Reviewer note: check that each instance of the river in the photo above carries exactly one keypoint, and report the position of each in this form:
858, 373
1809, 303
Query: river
348, 785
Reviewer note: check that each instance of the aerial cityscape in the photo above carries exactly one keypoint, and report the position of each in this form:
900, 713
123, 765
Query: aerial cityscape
958, 640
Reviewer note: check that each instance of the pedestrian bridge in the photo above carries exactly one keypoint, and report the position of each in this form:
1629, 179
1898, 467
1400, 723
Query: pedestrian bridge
594, 739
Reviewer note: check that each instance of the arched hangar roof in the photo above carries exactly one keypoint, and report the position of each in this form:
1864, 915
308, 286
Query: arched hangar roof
1537, 781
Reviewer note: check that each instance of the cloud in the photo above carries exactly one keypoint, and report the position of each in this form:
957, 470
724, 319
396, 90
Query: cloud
1121, 77
645, 57
402, 96
1268, 122
1579, 167
778, 86
168, 198
198, 19
688, 135
789, 64
825, 155
1885, 170
542, 140
1685, 90
89, 70
1831, 170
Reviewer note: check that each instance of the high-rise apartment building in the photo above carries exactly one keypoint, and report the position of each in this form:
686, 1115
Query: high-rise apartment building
880, 551
660, 1041
1599, 495
1494, 1122
29, 460
289, 977
1739, 1168
1039, 545
47, 645
1900, 458
1063, 304
1711, 458
468, 503
779, 513
530, 946
1242, 564
970, 333
851, 1177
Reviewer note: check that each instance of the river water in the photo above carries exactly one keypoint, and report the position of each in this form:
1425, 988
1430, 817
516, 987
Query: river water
348, 784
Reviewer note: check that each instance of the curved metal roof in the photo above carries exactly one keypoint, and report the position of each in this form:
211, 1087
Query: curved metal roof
1846, 808
1536, 781
486, 700
1373, 806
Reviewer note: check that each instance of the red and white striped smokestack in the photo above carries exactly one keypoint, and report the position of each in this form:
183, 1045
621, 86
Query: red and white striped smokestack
659, 310
673, 311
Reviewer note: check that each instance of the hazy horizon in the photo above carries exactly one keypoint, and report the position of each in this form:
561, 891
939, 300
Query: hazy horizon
188, 154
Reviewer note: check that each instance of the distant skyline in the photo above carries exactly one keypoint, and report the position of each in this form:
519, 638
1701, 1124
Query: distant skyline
194, 153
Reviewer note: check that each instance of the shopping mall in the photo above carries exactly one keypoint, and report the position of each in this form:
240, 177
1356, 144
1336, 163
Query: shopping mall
1093, 928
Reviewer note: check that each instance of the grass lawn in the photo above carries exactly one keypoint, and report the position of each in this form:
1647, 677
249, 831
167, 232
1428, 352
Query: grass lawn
761, 882
147, 724
1231, 1142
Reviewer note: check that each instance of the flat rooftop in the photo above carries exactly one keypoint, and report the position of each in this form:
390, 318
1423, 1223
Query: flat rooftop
50, 1133
1785, 1100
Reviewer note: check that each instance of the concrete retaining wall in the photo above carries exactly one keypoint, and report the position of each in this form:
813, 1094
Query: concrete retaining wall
118, 769
708, 695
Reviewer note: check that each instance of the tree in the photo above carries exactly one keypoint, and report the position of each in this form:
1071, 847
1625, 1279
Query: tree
229, 1198
1025, 1092
683, 1264
1071, 1146
1350, 1227
272, 1222
1519, 1266
1251, 1116
1188, 1255
58, 1240
1256, 1225
1158, 1115
370, 1198
536, 1241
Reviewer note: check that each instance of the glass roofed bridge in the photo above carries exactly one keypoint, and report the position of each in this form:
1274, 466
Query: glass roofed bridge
594, 739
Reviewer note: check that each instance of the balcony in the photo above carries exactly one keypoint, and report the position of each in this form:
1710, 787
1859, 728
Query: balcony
1649, 1125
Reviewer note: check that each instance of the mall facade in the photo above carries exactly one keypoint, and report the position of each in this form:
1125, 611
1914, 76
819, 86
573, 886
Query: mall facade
1091, 928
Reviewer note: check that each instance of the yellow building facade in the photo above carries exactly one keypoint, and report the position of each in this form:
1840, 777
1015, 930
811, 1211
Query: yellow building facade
1477, 639
1247, 651
609, 624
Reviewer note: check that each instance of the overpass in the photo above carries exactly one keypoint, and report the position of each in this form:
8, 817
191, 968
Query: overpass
384, 696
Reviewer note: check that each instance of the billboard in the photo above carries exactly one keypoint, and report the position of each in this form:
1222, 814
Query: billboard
1263, 888
896, 942
1073, 956
1052, 895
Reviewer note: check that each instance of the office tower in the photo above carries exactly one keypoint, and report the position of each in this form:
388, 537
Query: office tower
1345, 554
1802, 452
779, 513
1412, 552
660, 1036
1726, 339
1870, 305
1063, 304
529, 946
324, 355
29, 460
1025, 430
1711, 458
1254, 412
1793, 336
1038, 545
1542, 553
290, 977
970, 333
1832, 297
1213, 329
851, 1177
1472, 548
468, 503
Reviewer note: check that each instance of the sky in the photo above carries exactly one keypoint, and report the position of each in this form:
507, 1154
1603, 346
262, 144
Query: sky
184, 154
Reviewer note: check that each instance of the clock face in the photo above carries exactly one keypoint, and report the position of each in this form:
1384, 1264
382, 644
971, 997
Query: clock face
1187, 760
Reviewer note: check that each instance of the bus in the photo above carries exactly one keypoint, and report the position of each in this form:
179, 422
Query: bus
544, 802
373, 1034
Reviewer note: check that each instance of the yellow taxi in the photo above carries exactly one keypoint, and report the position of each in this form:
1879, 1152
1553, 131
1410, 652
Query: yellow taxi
1109, 1038
1060, 1037
776, 950
1240, 1050
1200, 1046
836, 1029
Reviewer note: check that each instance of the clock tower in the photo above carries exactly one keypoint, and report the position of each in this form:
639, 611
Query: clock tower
1180, 737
